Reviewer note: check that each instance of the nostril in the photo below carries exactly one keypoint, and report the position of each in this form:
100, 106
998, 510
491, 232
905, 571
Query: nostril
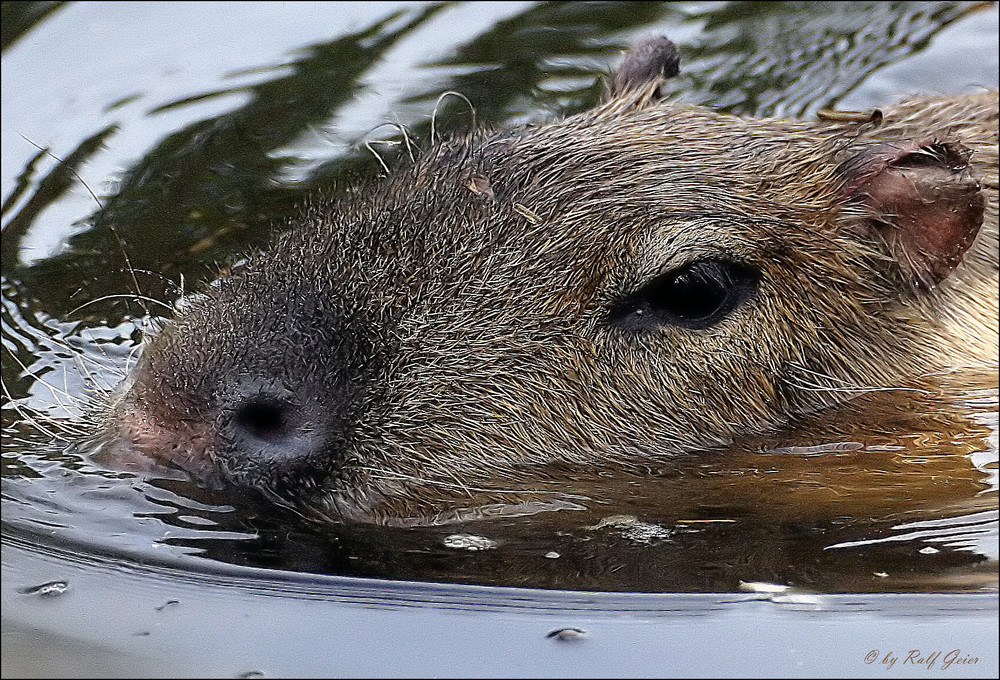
264, 427
264, 419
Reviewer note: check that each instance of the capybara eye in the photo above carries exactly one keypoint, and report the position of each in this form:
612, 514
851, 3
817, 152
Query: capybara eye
697, 295
263, 419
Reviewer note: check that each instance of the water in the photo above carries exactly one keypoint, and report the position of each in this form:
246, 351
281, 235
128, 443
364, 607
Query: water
147, 146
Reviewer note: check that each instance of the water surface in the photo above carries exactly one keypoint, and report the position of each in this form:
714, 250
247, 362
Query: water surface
146, 147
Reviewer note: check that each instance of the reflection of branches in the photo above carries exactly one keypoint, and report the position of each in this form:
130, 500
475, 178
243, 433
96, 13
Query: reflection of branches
791, 58
20, 17
50, 188
203, 185
508, 71
221, 166
547, 42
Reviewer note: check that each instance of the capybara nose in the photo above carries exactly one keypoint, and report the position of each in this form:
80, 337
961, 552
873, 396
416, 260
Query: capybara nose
271, 431
264, 422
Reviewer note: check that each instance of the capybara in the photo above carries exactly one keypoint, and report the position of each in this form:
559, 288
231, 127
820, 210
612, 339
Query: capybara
644, 279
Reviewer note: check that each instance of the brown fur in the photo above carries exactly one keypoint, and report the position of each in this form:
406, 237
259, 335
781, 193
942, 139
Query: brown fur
451, 325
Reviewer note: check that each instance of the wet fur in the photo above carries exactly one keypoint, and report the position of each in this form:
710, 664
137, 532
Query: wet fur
450, 326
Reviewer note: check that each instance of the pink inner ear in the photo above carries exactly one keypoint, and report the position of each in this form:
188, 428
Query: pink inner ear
921, 200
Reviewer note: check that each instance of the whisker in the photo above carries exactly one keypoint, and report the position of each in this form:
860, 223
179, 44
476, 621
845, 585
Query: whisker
368, 145
71, 169
437, 105
55, 391
406, 138
35, 423
100, 205
121, 295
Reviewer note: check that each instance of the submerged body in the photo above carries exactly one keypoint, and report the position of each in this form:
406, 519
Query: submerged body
642, 280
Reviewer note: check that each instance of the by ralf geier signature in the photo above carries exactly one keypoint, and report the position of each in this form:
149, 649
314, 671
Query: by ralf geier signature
916, 657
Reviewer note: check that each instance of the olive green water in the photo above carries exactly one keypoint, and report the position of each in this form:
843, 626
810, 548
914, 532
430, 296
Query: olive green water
146, 146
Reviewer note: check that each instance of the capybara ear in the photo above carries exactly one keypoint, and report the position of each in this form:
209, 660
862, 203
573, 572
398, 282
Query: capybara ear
646, 66
921, 199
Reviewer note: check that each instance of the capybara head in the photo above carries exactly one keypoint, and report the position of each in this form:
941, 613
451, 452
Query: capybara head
643, 279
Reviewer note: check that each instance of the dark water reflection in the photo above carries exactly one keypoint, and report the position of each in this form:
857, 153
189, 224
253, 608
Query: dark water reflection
890, 493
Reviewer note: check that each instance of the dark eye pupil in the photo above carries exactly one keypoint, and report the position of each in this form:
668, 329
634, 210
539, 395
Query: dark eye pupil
695, 296
264, 420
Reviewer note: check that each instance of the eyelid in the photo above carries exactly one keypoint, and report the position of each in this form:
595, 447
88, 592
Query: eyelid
643, 274
656, 259
651, 305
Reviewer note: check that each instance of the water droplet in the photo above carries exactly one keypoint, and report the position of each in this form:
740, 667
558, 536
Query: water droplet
761, 587
567, 634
